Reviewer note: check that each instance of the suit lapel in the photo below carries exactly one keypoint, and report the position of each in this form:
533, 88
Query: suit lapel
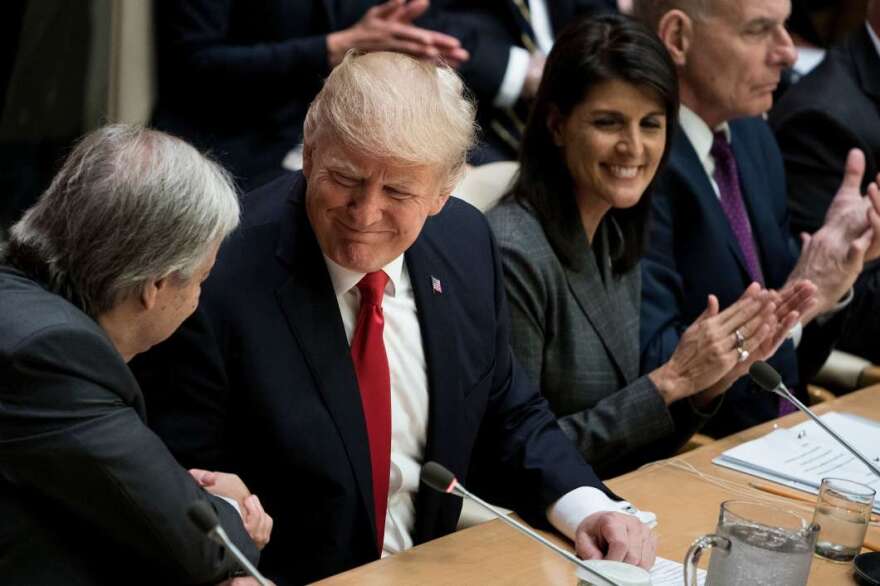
684, 159
309, 305
585, 283
867, 64
439, 338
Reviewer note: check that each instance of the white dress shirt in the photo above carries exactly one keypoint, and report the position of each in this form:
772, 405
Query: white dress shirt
409, 409
518, 60
874, 38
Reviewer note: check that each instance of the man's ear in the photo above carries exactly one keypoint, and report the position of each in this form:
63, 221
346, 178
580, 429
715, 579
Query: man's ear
308, 153
676, 30
439, 202
150, 292
554, 124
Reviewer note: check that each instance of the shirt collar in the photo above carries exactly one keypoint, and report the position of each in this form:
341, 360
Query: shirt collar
874, 38
344, 279
699, 133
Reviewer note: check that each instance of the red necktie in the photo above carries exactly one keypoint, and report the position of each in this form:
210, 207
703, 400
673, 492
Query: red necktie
374, 381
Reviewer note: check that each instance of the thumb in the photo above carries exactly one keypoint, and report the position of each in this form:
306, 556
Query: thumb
411, 11
203, 477
586, 548
711, 309
855, 255
805, 241
853, 172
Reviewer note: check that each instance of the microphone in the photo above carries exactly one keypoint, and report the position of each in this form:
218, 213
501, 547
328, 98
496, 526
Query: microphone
442, 480
203, 516
768, 379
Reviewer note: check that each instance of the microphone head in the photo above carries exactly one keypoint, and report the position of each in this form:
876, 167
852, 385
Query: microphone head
203, 516
438, 477
765, 376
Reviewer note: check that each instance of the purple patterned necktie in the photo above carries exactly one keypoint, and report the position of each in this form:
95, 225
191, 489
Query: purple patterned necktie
727, 178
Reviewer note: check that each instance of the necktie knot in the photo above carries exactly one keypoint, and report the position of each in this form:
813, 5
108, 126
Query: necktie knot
720, 147
372, 287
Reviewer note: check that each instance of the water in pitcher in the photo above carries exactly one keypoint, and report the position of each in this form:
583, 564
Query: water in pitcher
759, 556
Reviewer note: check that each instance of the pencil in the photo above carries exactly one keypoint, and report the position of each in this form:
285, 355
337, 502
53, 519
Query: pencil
800, 496
784, 492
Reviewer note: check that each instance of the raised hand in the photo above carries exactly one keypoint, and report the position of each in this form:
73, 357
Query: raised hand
849, 215
833, 257
388, 27
791, 303
713, 345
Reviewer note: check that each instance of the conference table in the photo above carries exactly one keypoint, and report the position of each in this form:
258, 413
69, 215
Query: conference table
684, 492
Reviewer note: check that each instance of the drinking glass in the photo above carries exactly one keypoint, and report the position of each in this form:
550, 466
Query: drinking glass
842, 513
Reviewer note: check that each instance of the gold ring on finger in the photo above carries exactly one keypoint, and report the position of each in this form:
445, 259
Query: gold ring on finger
740, 339
742, 354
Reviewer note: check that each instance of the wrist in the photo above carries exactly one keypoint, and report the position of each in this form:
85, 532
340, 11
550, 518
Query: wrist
338, 44
668, 383
704, 398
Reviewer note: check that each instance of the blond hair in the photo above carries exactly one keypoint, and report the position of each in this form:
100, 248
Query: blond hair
393, 106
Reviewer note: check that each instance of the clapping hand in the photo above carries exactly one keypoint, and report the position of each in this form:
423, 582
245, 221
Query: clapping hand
790, 303
833, 257
714, 344
388, 27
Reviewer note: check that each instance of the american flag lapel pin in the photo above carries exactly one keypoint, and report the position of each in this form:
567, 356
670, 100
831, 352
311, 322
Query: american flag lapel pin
436, 286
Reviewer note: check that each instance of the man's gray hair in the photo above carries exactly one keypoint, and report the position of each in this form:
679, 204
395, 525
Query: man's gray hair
651, 11
393, 106
129, 205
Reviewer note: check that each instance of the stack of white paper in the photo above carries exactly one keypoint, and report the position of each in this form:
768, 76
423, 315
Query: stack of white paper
670, 573
801, 456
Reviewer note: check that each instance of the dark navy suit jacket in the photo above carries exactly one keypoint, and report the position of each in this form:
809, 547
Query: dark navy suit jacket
88, 494
260, 382
692, 252
237, 76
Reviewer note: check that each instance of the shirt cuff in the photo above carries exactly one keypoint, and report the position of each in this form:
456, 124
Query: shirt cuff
796, 333
514, 78
823, 319
573, 507
233, 503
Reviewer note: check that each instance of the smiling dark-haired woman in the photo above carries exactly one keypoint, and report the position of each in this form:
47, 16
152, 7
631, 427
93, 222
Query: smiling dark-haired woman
571, 233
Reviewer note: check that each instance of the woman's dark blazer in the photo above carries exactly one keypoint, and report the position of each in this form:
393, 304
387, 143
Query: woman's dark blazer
576, 330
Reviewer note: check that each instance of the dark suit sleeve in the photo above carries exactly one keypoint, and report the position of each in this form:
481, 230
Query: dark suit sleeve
814, 148
195, 51
486, 36
662, 321
538, 463
75, 441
